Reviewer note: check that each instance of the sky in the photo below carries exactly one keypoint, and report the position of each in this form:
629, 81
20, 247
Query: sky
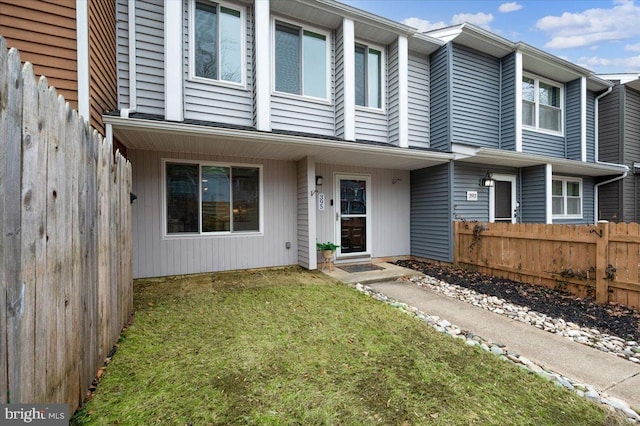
600, 35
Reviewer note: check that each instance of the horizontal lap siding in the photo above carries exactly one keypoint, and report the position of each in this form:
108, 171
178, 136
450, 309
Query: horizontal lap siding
150, 57
418, 98
431, 234
221, 103
476, 98
533, 206
155, 256
591, 129
573, 120
394, 95
609, 126
122, 52
609, 202
371, 125
339, 109
542, 144
45, 34
304, 204
632, 152
508, 103
440, 106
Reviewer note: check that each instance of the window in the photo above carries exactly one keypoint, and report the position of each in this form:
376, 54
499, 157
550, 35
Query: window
541, 104
368, 78
217, 42
301, 61
567, 197
204, 198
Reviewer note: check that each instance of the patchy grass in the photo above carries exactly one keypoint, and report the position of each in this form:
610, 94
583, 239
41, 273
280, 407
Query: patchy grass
286, 346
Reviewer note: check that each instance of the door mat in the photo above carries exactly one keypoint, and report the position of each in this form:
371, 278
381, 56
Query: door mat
362, 267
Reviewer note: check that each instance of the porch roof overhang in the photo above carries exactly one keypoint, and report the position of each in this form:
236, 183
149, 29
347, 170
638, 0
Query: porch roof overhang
498, 157
157, 135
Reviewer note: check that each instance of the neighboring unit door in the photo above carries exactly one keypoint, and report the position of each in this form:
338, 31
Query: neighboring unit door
352, 215
502, 199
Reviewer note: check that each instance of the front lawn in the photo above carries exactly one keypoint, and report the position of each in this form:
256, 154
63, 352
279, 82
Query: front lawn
288, 346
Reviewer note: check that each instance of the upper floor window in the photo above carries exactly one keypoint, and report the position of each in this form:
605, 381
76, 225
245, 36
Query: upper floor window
566, 196
301, 65
368, 78
209, 197
541, 104
217, 42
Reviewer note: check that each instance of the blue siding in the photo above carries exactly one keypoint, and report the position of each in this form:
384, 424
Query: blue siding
440, 113
572, 120
591, 132
533, 206
508, 103
418, 99
542, 144
431, 228
587, 204
476, 98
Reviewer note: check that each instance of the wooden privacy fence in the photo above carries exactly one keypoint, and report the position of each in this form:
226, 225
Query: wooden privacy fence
598, 261
65, 243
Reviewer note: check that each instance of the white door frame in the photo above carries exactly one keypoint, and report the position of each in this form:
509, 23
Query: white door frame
492, 196
338, 223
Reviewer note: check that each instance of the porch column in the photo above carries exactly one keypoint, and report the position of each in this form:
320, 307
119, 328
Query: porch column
173, 77
263, 65
307, 204
548, 198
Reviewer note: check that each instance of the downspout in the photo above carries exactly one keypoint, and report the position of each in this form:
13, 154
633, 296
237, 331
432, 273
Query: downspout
124, 112
596, 143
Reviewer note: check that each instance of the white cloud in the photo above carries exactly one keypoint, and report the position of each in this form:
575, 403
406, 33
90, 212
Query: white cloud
632, 47
604, 65
509, 7
423, 25
480, 19
592, 26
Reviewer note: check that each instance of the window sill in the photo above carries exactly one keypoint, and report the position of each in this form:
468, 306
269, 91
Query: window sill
379, 111
567, 217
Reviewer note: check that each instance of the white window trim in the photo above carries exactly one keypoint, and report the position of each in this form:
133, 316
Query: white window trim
564, 180
200, 234
492, 196
537, 80
328, 99
243, 45
383, 77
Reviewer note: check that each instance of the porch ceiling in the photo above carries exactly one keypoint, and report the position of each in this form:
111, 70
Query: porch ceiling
197, 139
491, 156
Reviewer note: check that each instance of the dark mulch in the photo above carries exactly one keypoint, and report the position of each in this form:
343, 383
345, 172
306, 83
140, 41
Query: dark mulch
612, 319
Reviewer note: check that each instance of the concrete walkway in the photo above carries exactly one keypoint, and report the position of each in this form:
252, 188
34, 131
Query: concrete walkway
605, 372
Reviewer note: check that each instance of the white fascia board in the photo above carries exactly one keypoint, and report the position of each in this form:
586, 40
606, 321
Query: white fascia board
349, 71
263, 65
583, 119
82, 46
548, 199
173, 77
518, 95
403, 89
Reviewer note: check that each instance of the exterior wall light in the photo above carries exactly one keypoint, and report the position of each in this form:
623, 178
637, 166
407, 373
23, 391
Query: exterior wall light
318, 180
488, 181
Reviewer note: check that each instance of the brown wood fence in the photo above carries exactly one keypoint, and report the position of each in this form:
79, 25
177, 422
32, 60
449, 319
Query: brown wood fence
65, 243
598, 261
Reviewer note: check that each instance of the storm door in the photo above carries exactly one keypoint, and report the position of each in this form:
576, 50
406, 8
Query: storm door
502, 199
352, 215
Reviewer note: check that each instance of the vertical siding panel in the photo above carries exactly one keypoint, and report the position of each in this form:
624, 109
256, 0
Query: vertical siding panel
508, 103
394, 95
418, 98
122, 52
150, 56
573, 108
339, 83
440, 103
631, 152
591, 136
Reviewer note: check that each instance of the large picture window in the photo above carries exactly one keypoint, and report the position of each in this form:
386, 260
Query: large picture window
566, 196
368, 78
217, 42
205, 198
300, 61
541, 104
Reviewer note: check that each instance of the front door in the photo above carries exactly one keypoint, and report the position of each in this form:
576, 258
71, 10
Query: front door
502, 199
352, 215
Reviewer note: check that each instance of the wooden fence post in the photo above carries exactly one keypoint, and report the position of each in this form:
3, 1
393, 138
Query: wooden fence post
602, 261
456, 243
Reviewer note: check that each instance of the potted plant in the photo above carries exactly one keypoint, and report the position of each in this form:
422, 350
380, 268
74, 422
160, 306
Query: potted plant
327, 250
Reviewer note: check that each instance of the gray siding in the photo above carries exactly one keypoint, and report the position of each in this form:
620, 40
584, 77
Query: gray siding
609, 126
542, 144
122, 52
418, 99
610, 202
154, 255
150, 57
394, 95
476, 98
533, 206
591, 128
508, 103
431, 228
371, 125
572, 120
219, 102
339, 52
631, 151
440, 132
587, 204
629, 201
304, 205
